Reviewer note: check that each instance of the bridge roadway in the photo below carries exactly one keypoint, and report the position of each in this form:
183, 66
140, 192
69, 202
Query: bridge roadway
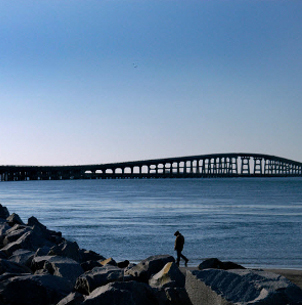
200, 166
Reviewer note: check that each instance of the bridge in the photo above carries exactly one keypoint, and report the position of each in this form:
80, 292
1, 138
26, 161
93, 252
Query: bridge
200, 166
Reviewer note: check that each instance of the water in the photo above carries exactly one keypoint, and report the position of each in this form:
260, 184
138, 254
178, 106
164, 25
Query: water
251, 221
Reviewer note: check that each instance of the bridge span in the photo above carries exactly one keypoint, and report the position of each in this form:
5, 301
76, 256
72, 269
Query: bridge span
200, 166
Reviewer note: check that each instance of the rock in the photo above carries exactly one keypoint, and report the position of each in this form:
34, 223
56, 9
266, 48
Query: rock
32, 289
215, 263
89, 265
55, 237
88, 255
14, 233
39, 261
14, 219
12, 267
122, 293
123, 264
3, 212
153, 264
43, 251
33, 221
67, 249
108, 261
23, 257
4, 227
3, 255
30, 240
169, 276
74, 298
240, 287
63, 267
97, 277
177, 296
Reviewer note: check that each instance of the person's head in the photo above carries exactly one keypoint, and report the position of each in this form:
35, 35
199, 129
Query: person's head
176, 233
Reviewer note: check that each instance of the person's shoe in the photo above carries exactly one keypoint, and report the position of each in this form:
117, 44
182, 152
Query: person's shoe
186, 263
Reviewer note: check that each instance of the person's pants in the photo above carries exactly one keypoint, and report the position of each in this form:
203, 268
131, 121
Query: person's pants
179, 255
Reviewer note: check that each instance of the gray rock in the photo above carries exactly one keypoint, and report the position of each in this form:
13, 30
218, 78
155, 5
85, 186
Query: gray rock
67, 249
169, 276
88, 255
23, 242
14, 233
33, 221
43, 251
60, 266
240, 287
122, 293
89, 265
123, 264
3, 212
53, 236
215, 263
4, 227
3, 255
14, 219
74, 298
97, 277
23, 257
32, 239
39, 261
108, 261
32, 289
12, 267
153, 264
177, 296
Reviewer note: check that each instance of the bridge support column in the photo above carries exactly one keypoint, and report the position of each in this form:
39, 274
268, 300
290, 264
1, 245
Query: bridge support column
245, 165
258, 165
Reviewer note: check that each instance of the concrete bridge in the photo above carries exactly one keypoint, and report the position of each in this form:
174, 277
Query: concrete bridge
200, 166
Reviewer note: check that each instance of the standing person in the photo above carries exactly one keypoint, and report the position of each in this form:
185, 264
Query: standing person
179, 244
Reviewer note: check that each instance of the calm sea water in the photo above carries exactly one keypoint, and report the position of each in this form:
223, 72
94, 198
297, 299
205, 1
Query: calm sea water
252, 221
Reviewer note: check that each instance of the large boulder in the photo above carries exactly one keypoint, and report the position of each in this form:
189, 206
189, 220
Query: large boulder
89, 255
153, 264
23, 257
14, 233
89, 265
68, 249
176, 296
53, 236
3, 212
12, 267
14, 219
74, 298
240, 287
169, 276
4, 227
31, 240
121, 293
98, 276
215, 263
63, 267
108, 261
32, 289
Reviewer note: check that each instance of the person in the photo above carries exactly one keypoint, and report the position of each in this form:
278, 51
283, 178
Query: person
179, 244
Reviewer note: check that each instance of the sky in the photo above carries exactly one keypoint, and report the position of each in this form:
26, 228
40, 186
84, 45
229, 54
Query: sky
97, 81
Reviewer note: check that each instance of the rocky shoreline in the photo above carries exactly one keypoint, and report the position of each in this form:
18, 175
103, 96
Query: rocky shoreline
39, 266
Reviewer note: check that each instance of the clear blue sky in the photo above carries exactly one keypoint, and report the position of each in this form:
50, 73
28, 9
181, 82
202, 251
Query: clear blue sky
95, 81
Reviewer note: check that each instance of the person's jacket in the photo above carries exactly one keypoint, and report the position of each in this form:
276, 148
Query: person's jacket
179, 242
